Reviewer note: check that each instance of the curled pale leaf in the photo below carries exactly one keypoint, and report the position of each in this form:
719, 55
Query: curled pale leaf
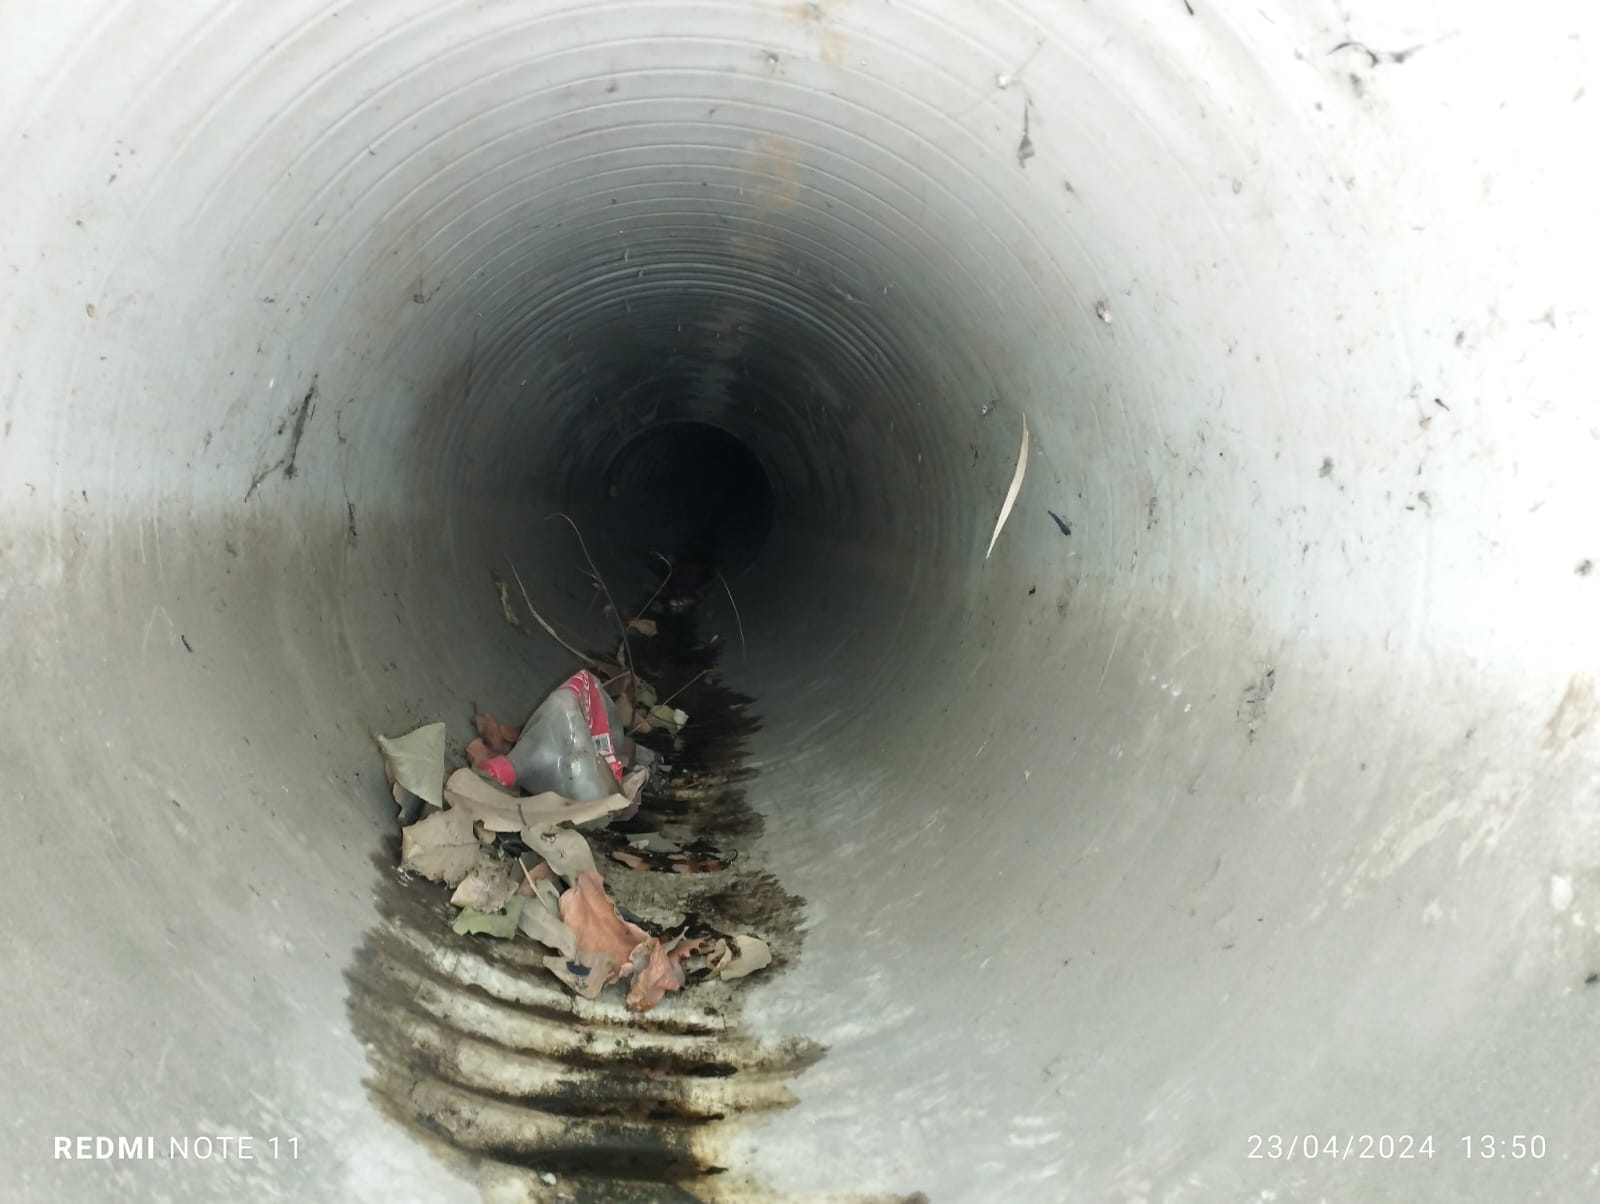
502, 924
414, 762
736, 956
544, 926
1016, 488
586, 973
441, 846
567, 851
488, 886
501, 811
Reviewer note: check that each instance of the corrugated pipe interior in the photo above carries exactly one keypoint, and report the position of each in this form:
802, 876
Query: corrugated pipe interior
1242, 800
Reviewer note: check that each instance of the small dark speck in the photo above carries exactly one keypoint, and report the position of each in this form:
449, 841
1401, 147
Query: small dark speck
419, 298
1441, 405
1229, 945
1327, 467
1189, 6
1461, 338
611, 87
269, 300
187, 647
176, 803
1594, 977
1585, 567
1032, 589
1066, 527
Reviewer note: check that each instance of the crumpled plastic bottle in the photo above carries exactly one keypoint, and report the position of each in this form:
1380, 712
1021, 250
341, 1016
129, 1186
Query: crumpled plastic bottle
567, 745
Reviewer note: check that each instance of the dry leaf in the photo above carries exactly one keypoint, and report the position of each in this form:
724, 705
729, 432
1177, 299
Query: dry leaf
442, 847
592, 916
668, 719
500, 737
658, 968
586, 973
478, 752
567, 851
506, 607
736, 956
488, 886
501, 811
501, 924
414, 763
642, 626
1016, 488
544, 926
654, 974
532, 868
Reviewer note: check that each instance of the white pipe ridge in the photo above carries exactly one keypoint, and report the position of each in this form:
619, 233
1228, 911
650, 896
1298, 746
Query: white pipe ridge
1261, 806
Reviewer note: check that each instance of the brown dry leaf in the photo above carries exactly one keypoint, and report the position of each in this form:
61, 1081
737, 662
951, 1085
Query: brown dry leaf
501, 811
632, 860
478, 752
654, 974
736, 956
488, 886
442, 846
500, 737
657, 969
642, 626
590, 913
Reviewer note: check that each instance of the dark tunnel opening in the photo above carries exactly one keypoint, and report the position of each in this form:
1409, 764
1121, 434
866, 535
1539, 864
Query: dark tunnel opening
687, 499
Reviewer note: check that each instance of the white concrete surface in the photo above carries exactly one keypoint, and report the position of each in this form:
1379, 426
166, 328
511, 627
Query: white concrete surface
1306, 343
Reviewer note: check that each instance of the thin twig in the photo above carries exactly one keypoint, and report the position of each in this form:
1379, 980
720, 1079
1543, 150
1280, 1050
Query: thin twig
627, 650
645, 609
735, 606
528, 602
684, 686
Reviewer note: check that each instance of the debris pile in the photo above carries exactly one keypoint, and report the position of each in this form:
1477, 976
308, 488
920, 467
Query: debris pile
514, 834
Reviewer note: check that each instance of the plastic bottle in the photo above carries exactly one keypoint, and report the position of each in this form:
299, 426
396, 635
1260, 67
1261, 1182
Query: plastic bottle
567, 745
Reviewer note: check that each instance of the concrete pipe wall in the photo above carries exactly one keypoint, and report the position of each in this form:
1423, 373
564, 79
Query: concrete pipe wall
1260, 806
